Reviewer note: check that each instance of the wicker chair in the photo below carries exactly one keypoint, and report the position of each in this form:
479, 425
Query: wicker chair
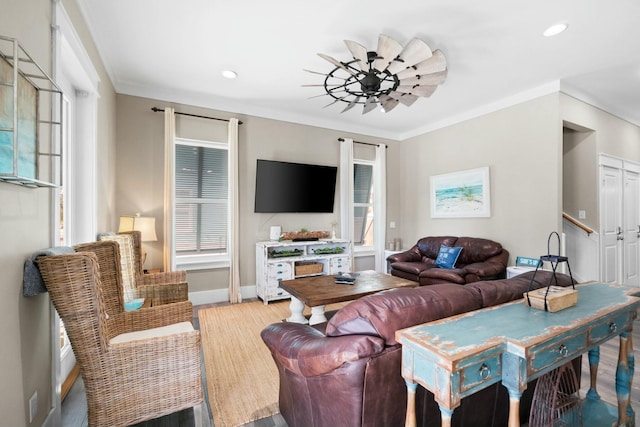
129, 377
108, 255
161, 288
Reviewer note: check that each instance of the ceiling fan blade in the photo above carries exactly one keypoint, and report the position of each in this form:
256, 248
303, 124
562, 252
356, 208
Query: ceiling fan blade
332, 102
417, 90
425, 79
359, 53
314, 72
435, 64
405, 98
351, 104
388, 103
387, 51
336, 63
415, 51
370, 105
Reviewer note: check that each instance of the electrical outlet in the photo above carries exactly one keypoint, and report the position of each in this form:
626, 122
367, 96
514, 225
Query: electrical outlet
392, 224
33, 406
582, 214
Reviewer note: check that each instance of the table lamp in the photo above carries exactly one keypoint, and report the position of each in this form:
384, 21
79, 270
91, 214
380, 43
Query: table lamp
146, 225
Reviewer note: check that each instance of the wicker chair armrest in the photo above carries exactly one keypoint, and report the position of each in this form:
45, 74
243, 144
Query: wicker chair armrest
150, 317
164, 278
164, 293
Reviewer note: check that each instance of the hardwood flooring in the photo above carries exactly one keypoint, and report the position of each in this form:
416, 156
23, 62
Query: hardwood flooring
74, 407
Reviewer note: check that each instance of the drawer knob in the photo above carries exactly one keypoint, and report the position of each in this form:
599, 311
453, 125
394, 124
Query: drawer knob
613, 327
484, 371
563, 350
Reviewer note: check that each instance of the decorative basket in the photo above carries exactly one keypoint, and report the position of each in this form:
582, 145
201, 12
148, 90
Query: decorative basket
307, 268
304, 235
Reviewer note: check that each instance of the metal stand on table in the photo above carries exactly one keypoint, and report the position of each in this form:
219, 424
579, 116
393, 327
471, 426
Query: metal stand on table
554, 260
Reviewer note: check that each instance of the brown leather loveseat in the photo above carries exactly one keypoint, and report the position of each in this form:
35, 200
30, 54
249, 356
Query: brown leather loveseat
478, 259
347, 372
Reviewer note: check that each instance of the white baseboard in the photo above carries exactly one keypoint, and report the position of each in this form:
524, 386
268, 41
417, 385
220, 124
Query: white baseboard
220, 295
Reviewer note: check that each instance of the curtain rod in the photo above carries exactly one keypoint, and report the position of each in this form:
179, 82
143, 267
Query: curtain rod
365, 143
156, 109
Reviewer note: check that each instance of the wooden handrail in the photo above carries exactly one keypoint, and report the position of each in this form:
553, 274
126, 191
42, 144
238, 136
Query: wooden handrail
577, 223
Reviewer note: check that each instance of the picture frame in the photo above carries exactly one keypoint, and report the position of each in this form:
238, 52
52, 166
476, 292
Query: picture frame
18, 147
462, 194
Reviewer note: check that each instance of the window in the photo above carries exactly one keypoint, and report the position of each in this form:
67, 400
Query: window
201, 202
363, 214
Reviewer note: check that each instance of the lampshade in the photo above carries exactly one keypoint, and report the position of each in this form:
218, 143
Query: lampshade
146, 225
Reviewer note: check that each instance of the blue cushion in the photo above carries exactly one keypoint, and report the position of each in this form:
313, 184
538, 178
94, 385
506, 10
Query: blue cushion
447, 256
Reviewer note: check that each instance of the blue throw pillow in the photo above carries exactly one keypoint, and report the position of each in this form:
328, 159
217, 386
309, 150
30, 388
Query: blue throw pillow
447, 256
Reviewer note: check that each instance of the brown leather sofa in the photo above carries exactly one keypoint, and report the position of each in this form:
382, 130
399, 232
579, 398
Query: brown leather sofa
346, 373
479, 259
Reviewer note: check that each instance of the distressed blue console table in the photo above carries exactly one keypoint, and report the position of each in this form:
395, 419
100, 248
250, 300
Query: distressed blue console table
512, 343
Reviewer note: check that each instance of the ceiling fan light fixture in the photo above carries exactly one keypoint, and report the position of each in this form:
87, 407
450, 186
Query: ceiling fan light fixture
373, 78
555, 29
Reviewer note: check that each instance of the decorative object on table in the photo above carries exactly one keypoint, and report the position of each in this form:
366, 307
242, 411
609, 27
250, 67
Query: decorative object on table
328, 250
346, 278
274, 233
461, 194
146, 225
556, 399
552, 298
305, 235
386, 77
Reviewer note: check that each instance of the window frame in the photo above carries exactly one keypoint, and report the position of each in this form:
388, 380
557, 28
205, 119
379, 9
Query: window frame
201, 261
361, 249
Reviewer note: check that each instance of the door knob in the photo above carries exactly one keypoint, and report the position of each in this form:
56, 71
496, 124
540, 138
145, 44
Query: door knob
619, 235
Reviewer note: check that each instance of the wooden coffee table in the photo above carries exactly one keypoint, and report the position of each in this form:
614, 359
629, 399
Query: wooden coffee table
318, 291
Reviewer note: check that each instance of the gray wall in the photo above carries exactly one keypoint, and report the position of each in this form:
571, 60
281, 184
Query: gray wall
25, 226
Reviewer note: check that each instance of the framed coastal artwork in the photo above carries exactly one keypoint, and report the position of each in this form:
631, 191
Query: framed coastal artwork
17, 160
462, 194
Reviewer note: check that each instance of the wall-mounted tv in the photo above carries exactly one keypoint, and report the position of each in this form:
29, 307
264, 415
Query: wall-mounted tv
294, 187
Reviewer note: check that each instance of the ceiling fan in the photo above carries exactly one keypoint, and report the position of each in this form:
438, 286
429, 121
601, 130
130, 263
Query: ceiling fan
388, 76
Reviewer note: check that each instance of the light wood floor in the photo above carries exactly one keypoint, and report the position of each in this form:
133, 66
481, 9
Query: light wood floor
74, 407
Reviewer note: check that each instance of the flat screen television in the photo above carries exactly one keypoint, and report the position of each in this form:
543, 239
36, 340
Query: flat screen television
294, 187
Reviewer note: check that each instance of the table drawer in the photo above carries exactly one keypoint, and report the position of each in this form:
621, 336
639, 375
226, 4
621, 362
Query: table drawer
565, 347
279, 271
483, 372
609, 328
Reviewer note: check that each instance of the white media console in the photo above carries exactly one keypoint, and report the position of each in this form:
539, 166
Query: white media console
284, 260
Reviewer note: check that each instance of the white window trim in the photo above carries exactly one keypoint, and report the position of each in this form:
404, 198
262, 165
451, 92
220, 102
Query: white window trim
199, 261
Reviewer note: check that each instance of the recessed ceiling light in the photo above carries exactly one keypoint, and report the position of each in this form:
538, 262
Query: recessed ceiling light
229, 74
555, 29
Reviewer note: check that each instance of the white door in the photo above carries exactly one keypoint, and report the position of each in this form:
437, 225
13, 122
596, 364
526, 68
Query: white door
611, 224
631, 227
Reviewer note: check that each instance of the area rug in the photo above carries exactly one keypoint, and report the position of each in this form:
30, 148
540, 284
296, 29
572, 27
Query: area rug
242, 378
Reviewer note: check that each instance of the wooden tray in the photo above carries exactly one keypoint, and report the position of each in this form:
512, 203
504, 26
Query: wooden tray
558, 298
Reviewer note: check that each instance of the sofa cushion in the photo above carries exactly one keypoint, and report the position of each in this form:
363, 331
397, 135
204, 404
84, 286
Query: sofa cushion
383, 313
496, 292
430, 246
447, 256
476, 249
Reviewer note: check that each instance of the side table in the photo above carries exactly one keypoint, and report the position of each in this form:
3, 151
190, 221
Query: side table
515, 344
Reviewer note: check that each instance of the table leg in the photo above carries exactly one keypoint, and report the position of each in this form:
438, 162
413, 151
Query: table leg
514, 409
445, 414
317, 315
296, 306
594, 361
624, 374
410, 420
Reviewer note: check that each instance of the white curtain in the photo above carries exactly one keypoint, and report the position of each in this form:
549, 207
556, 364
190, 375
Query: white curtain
169, 259
235, 295
380, 206
346, 191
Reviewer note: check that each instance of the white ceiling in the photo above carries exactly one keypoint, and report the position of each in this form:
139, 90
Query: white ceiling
496, 54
